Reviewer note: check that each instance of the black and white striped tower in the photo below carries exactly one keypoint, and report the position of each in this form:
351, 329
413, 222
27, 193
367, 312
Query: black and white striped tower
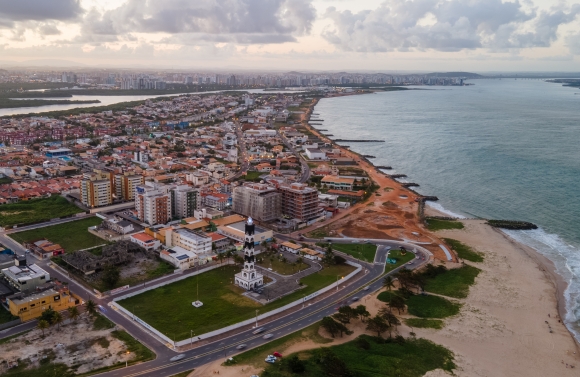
249, 278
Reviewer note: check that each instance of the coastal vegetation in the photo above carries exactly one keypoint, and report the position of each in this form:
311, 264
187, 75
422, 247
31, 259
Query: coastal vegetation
513, 225
6, 103
424, 323
435, 224
71, 236
36, 211
452, 283
464, 251
367, 356
429, 306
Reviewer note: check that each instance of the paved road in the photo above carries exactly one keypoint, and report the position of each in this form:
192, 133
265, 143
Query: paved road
305, 168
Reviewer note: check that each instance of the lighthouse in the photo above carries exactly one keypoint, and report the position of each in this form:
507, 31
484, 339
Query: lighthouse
249, 278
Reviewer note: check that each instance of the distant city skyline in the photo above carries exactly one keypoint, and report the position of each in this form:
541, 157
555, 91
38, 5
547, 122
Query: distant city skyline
312, 35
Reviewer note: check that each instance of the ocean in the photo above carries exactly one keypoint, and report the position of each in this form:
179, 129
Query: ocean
501, 149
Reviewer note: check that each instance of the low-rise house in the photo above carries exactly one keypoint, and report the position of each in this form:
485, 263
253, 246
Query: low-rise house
290, 247
145, 241
311, 254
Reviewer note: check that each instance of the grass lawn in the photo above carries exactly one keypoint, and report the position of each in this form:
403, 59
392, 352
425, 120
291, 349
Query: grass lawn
464, 251
6, 316
409, 358
362, 251
401, 259
223, 304
425, 323
253, 176
431, 306
71, 236
36, 210
437, 224
318, 233
283, 268
256, 356
454, 282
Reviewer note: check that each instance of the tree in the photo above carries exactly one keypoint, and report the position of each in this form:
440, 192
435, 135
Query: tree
397, 302
111, 277
388, 283
47, 315
332, 365
391, 319
57, 319
362, 312
329, 257
43, 325
73, 313
377, 324
333, 327
295, 365
91, 307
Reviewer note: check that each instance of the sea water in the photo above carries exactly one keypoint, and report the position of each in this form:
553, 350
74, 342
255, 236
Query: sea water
501, 149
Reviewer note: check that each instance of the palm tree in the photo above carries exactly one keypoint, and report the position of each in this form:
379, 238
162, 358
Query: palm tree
388, 283
43, 325
73, 313
91, 307
57, 319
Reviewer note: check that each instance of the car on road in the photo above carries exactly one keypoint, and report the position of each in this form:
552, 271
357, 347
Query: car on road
268, 336
241, 346
355, 298
178, 357
367, 288
258, 330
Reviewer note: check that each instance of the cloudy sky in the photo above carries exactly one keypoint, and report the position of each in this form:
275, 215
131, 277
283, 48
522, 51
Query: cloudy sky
470, 35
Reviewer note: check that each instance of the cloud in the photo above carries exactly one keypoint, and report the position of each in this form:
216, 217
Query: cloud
13, 11
240, 21
445, 25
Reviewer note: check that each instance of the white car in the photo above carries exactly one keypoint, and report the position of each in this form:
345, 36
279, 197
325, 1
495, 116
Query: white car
270, 359
178, 357
268, 336
241, 347
366, 288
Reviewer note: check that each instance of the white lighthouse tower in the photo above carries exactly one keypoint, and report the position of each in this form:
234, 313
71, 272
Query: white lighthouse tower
249, 278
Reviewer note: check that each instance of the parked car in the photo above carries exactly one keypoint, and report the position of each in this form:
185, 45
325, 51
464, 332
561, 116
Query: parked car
241, 347
277, 354
270, 359
268, 336
178, 357
258, 330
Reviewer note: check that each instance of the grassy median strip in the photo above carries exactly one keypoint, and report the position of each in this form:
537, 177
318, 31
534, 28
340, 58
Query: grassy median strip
72, 235
363, 251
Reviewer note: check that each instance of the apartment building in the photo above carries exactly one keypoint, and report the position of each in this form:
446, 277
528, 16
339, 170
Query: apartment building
194, 241
97, 189
185, 200
153, 203
257, 200
125, 185
300, 201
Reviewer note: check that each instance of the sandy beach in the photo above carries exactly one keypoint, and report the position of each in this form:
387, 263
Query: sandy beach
503, 328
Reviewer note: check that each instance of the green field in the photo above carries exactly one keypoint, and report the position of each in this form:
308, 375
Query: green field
454, 282
252, 176
464, 251
283, 268
36, 210
368, 356
438, 224
401, 259
71, 236
362, 251
223, 304
431, 306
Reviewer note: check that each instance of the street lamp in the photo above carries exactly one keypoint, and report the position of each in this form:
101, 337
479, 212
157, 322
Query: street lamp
257, 318
127, 361
191, 337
